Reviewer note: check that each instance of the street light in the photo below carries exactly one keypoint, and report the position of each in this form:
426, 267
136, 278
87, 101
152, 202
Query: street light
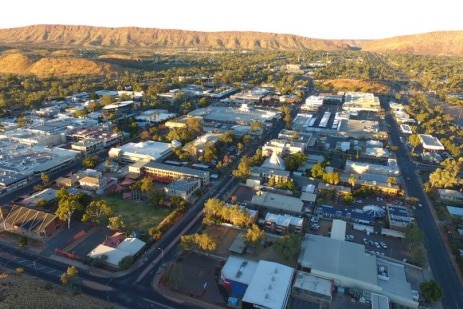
162, 255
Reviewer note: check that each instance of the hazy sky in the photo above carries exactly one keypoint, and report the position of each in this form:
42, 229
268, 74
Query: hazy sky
326, 19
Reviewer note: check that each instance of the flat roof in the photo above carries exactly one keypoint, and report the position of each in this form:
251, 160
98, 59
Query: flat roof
431, 142
270, 285
306, 281
239, 269
338, 229
278, 201
338, 258
233, 114
149, 148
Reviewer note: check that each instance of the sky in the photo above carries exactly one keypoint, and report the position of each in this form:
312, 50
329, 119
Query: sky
323, 19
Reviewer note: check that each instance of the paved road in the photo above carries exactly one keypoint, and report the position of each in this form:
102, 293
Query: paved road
438, 256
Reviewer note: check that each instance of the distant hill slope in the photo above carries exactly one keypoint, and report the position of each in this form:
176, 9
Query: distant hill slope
64, 36
448, 43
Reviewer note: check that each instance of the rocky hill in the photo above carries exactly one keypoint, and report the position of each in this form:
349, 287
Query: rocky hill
62, 36
444, 43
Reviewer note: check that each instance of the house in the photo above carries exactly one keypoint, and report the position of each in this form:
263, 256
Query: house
450, 195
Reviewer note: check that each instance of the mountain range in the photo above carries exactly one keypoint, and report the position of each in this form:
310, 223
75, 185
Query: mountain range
64, 36
58, 50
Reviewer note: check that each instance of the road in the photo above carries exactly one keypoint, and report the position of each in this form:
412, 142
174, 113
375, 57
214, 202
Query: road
438, 256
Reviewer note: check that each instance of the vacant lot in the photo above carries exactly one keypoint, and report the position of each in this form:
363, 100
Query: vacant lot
137, 215
22, 291
226, 235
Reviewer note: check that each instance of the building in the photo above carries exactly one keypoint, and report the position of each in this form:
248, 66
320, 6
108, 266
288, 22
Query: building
142, 151
450, 195
398, 217
115, 253
312, 288
282, 147
283, 224
167, 173
347, 265
270, 286
236, 274
431, 143
361, 168
183, 187
235, 115
277, 203
119, 111
32, 223
360, 101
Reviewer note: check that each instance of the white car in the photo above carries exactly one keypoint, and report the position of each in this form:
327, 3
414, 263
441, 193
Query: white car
415, 295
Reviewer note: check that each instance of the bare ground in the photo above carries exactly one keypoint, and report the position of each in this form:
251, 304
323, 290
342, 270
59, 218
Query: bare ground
22, 291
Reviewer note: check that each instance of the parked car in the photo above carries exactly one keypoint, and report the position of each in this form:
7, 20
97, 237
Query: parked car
350, 237
383, 244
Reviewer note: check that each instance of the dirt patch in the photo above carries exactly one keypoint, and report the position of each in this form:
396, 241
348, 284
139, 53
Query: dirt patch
22, 291
226, 235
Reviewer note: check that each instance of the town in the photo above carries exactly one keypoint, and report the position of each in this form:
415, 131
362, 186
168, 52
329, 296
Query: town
203, 193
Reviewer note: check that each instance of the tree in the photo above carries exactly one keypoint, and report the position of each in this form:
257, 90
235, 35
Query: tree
45, 179
288, 246
96, 210
116, 223
244, 168
66, 208
431, 290
198, 241
253, 235
352, 181
287, 118
294, 161
90, 162
318, 170
126, 262
391, 180
413, 236
69, 276
414, 140
22, 241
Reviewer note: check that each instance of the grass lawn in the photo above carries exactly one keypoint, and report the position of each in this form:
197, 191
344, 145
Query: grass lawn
137, 215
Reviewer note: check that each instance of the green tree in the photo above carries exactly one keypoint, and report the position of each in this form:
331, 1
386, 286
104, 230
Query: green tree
413, 236
288, 246
66, 208
294, 161
116, 223
97, 210
126, 262
22, 241
431, 290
